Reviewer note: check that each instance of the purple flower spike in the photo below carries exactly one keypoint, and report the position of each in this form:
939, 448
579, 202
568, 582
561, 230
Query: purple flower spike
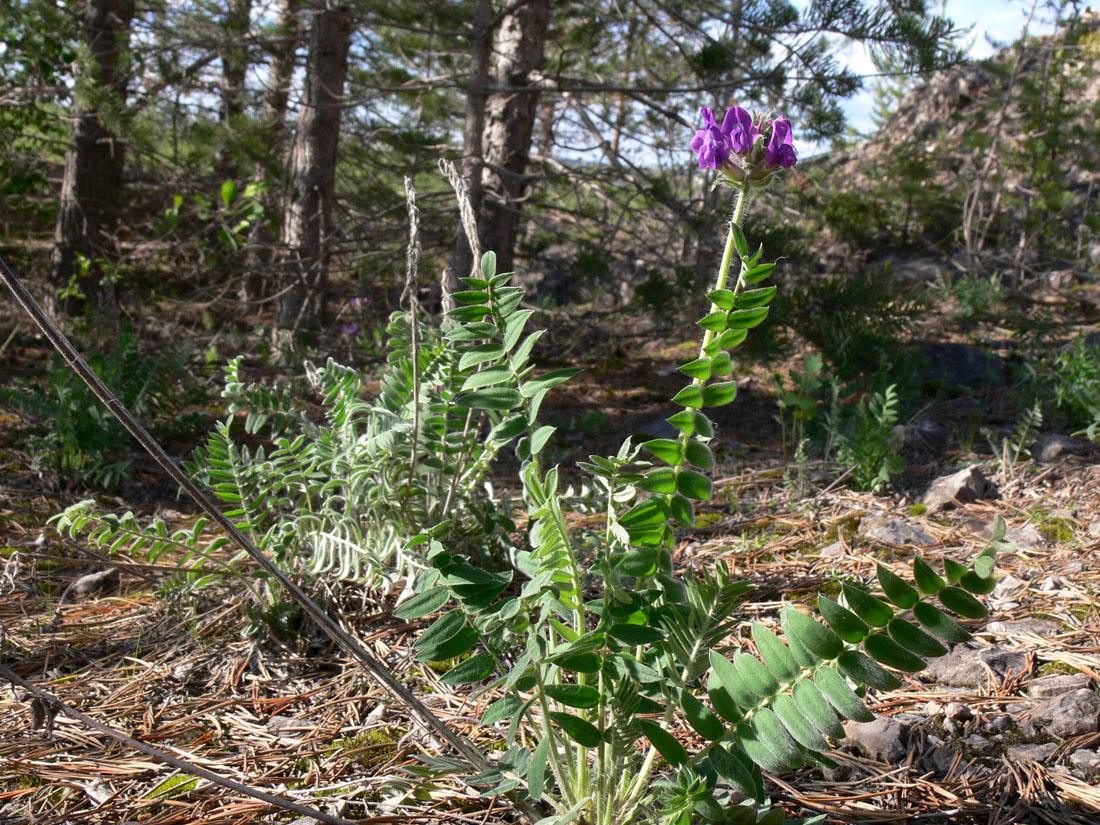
780, 150
741, 130
711, 143
349, 329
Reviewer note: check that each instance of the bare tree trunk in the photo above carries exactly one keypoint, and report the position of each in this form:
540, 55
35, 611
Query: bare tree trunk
509, 124
234, 59
260, 257
91, 188
307, 225
473, 155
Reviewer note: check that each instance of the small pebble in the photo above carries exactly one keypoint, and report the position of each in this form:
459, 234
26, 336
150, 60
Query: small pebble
958, 712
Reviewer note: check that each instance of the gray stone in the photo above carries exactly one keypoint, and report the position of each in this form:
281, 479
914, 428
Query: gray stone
894, 531
1052, 446
1038, 627
884, 739
940, 759
1051, 584
964, 486
1062, 278
1094, 530
922, 437
1088, 762
915, 271
958, 712
1071, 714
96, 583
1031, 753
1050, 686
972, 666
999, 723
1025, 538
961, 365
978, 744
834, 550
1005, 586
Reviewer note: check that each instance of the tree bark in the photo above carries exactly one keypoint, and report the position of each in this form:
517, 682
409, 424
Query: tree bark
234, 59
509, 125
91, 189
473, 154
307, 225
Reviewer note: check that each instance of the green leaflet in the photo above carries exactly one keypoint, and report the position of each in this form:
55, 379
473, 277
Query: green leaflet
458, 644
756, 676
976, 584
814, 707
635, 634
700, 717
478, 667
693, 485
721, 364
491, 398
582, 732
953, 570
897, 590
797, 725
846, 624
961, 602
683, 511
690, 396
501, 709
927, 579
747, 318
577, 661
666, 449
884, 649
731, 680
713, 321
575, 696
722, 700
423, 604
659, 480
938, 623
722, 298
801, 655
768, 744
487, 378
699, 454
479, 355
664, 742
865, 671
752, 298
699, 368
758, 273
776, 655
536, 771
730, 768
817, 638
441, 629
719, 394
840, 696
875, 612
911, 637
547, 381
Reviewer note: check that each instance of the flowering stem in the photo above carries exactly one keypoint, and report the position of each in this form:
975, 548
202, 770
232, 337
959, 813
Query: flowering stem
727, 259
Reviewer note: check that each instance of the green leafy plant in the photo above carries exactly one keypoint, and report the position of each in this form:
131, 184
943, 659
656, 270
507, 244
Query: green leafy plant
599, 655
75, 436
866, 445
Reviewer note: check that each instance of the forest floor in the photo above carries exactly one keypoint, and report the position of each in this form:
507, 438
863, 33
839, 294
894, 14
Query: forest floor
300, 720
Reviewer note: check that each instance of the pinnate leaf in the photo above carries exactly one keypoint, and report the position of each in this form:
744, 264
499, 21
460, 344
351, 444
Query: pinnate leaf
817, 638
897, 590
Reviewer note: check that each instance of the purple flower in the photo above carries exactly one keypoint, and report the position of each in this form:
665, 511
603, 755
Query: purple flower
780, 151
741, 130
711, 143
349, 329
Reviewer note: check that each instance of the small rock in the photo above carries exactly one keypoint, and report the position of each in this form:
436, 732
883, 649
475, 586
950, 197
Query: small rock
288, 724
97, 583
1062, 278
1071, 567
894, 531
1071, 714
1005, 586
932, 709
834, 550
1052, 446
978, 744
840, 773
1088, 762
1051, 584
1039, 627
883, 739
950, 728
958, 712
1050, 686
972, 666
1025, 538
922, 437
1031, 753
940, 759
964, 486
1094, 530
961, 365
999, 723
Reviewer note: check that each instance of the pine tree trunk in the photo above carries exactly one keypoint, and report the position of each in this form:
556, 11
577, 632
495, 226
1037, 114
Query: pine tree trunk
307, 226
473, 154
509, 125
234, 59
91, 189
